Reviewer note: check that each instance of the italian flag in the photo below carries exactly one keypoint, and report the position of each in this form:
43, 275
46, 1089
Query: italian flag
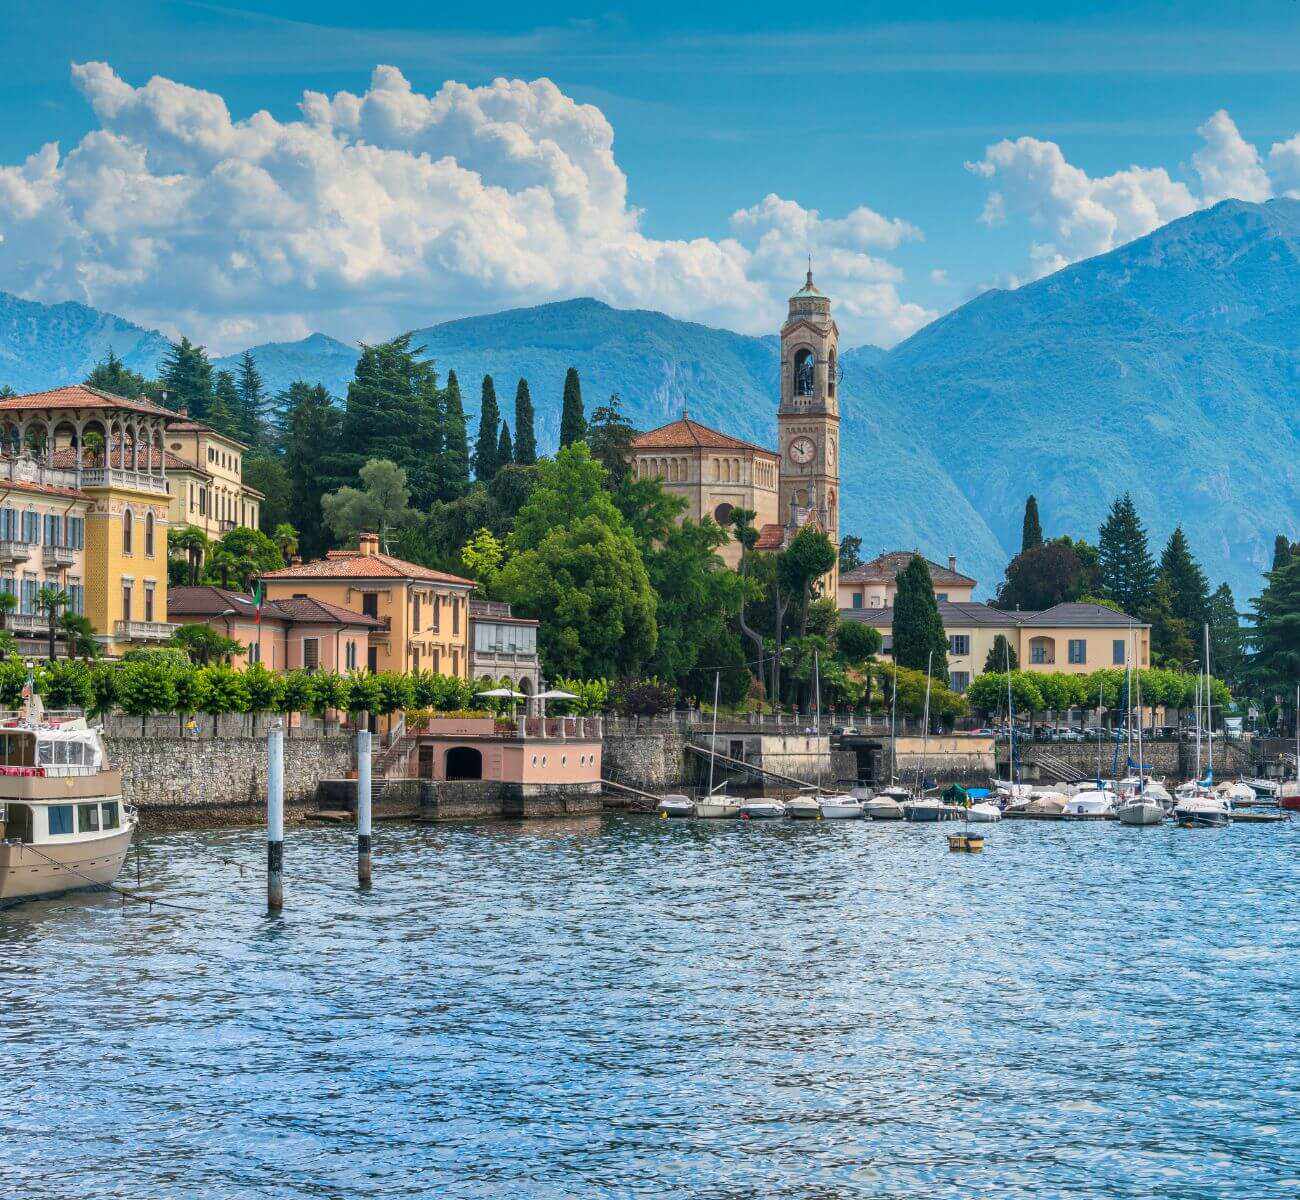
259, 594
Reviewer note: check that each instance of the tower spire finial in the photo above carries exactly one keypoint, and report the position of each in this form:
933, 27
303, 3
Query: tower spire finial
809, 282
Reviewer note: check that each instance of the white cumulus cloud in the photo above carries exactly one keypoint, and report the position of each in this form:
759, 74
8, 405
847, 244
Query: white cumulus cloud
1074, 215
392, 209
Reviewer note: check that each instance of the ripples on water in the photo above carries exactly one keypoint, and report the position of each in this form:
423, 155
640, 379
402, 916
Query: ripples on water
627, 1007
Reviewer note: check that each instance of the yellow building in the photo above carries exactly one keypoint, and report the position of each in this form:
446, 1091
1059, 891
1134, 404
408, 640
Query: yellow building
112, 451
207, 479
1073, 638
874, 584
423, 614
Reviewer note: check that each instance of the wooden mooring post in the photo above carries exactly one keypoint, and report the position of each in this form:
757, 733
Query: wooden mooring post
364, 797
275, 819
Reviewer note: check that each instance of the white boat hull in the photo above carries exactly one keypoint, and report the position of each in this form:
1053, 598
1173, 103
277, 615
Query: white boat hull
984, 813
762, 810
718, 808
803, 808
841, 808
50, 869
1141, 812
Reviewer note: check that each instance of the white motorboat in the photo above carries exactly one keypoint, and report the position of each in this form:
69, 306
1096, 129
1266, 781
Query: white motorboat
1013, 791
1263, 787
675, 805
1153, 789
842, 807
1095, 803
761, 808
1202, 809
984, 812
1238, 793
63, 822
930, 808
718, 807
804, 808
1042, 803
887, 805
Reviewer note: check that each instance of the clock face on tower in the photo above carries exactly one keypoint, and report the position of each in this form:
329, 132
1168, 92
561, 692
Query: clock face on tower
802, 450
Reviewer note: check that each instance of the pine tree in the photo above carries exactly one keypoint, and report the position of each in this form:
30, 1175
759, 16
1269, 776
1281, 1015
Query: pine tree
1281, 551
187, 379
1189, 589
455, 454
252, 401
1227, 654
1128, 575
525, 436
918, 628
428, 442
312, 424
505, 450
573, 423
1031, 532
112, 375
223, 413
489, 433
383, 394
1002, 656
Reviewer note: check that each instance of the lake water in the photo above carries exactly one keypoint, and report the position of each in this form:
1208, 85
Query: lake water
625, 1007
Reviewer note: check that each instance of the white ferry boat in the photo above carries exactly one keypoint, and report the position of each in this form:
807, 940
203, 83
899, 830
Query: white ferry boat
63, 824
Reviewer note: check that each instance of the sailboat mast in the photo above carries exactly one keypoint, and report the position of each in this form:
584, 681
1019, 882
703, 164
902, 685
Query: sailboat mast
1011, 723
925, 733
893, 729
817, 687
1209, 711
713, 741
1297, 732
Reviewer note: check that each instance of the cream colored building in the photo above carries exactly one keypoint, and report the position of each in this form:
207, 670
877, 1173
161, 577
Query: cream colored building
875, 584
1072, 638
423, 614
207, 479
787, 489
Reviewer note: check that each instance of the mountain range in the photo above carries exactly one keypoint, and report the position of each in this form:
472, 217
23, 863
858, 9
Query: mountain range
1169, 368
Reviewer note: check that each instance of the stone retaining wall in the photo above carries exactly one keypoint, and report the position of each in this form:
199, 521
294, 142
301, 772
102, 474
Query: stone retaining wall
1171, 759
652, 761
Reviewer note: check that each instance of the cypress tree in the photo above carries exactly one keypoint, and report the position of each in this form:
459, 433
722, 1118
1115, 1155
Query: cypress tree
424, 474
310, 435
455, 435
573, 423
1189, 589
525, 436
918, 628
1128, 576
505, 451
1031, 532
1281, 551
489, 433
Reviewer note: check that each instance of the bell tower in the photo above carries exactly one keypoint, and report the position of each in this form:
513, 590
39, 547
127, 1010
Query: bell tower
808, 420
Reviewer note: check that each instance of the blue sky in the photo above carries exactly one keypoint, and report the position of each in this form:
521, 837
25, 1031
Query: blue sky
713, 108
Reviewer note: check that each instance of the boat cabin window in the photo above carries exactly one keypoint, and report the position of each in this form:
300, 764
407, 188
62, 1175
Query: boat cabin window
87, 818
16, 823
63, 754
16, 749
60, 817
110, 814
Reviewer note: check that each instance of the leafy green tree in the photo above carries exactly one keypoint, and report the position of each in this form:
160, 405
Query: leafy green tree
482, 557
610, 437
187, 378
381, 506
1128, 575
204, 645
1173, 641
525, 433
104, 687
241, 556
592, 696
573, 422
263, 689
1281, 551
111, 375
384, 392
395, 691
917, 628
191, 689
285, 537
67, 685
1047, 574
427, 456
226, 690
489, 432
1001, 654
1031, 532
454, 474
568, 488
364, 693
1188, 587
295, 692
144, 687
1276, 665
857, 643
13, 678
329, 693
850, 553
265, 470
311, 433
8, 604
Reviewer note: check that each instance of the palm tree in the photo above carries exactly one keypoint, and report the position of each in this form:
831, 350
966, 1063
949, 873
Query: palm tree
8, 603
50, 600
79, 636
285, 537
195, 545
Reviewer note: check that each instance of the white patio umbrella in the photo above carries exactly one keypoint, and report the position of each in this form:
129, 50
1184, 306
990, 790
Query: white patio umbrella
553, 694
504, 693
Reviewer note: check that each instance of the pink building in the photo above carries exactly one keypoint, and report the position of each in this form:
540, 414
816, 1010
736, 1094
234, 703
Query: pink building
293, 633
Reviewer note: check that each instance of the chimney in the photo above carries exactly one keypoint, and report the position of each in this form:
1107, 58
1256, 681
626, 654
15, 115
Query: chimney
183, 411
295, 560
368, 543
952, 563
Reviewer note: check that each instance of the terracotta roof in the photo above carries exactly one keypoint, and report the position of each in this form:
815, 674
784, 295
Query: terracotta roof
959, 614
886, 567
211, 601
770, 537
41, 489
79, 395
309, 610
689, 435
1080, 616
352, 564
66, 459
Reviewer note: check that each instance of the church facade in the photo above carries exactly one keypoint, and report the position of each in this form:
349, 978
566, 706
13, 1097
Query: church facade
798, 484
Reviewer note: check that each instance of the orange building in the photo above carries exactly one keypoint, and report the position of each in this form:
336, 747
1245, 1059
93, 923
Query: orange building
423, 614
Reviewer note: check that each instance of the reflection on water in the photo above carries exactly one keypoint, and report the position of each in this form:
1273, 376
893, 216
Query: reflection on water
630, 1007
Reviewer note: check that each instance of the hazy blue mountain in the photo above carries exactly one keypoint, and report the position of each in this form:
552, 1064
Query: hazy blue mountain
1169, 367
45, 345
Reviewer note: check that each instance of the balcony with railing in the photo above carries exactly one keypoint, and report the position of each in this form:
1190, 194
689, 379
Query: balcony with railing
25, 468
28, 624
14, 552
56, 557
116, 477
143, 631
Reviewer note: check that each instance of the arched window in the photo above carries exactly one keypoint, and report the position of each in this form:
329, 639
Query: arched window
805, 364
128, 524
830, 374
148, 534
